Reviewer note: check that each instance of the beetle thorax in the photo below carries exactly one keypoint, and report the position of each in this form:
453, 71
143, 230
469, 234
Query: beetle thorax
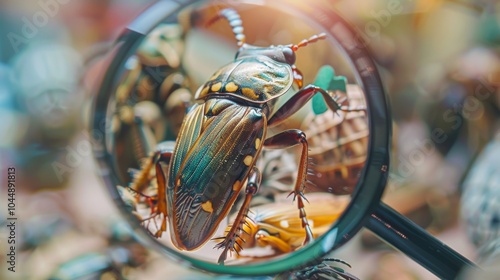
257, 76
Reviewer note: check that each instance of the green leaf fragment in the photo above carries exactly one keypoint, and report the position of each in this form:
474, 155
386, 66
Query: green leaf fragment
326, 80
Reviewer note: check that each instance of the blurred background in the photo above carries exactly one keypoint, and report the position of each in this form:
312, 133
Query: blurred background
440, 64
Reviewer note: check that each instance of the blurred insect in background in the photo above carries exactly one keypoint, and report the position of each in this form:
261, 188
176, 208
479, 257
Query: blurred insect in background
121, 254
277, 227
318, 270
154, 87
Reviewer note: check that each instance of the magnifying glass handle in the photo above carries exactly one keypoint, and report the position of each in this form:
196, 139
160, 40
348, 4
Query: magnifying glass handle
417, 243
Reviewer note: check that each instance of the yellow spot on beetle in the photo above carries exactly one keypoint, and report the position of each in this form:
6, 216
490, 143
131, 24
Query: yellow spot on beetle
236, 185
257, 143
217, 86
250, 93
204, 91
248, 160
231, 87
207, 206
268, 89
178, 182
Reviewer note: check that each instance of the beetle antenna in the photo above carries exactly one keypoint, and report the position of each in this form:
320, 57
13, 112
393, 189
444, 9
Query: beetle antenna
305, 42
234, 20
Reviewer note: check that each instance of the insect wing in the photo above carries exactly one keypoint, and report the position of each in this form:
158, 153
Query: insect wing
188, 135
208, 172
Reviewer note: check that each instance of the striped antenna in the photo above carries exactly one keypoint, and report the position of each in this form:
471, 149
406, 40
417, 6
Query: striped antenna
234, 20
305, 42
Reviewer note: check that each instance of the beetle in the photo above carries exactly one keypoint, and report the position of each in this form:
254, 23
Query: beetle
222, 136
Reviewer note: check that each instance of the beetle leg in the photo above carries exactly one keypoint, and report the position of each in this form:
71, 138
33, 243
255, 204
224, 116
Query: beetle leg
230, 242
163, 156
141, 178
158, 202
299, 99
287, 139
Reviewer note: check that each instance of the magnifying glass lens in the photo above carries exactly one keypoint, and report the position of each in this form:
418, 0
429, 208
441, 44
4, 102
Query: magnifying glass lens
222, 149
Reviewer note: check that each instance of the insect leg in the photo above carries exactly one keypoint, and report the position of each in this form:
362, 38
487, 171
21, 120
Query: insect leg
287, 139
141, 178
347, 108
230, 242
299, 99
163, 156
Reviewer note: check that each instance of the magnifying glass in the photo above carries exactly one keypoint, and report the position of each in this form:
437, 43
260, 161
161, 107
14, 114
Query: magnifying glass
216, 122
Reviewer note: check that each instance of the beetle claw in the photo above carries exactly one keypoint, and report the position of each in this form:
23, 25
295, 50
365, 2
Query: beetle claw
226, 245
303, 197
299, 193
